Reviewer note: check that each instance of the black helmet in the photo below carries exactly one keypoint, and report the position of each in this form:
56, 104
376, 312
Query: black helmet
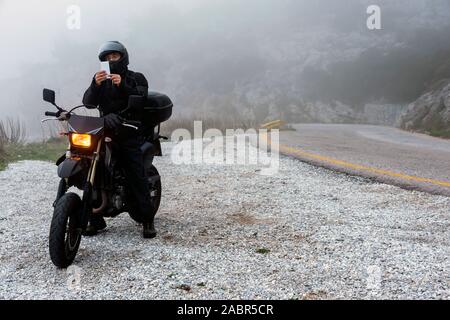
120, 66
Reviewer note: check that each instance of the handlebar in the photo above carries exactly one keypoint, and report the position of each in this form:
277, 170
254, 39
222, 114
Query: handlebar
65, 116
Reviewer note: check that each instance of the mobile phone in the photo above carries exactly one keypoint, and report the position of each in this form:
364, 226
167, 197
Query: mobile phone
104, 66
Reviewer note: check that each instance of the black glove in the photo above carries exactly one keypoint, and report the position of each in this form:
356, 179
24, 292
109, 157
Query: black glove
112, 121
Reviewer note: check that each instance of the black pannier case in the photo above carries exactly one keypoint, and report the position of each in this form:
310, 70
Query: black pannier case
157, 108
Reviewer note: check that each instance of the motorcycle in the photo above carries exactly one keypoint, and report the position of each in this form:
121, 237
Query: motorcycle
89, 165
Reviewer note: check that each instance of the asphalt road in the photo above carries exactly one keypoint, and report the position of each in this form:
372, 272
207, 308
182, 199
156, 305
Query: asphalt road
389, 155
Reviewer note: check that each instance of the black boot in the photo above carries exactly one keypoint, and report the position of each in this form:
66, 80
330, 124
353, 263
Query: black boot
96, 223
149, 230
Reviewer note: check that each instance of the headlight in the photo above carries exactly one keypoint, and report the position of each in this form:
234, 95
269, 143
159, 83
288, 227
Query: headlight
81, 140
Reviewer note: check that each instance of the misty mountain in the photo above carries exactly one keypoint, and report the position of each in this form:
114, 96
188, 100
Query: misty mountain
258, 59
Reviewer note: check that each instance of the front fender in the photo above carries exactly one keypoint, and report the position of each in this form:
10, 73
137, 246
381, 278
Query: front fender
69, 168
61, 159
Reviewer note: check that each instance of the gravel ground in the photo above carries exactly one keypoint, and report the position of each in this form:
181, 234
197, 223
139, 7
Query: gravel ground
228, 232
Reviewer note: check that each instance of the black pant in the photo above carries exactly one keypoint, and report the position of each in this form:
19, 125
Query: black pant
131, 160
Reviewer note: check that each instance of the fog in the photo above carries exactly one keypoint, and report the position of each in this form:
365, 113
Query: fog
254, 58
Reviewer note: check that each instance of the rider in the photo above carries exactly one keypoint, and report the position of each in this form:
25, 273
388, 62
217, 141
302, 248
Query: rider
111, 94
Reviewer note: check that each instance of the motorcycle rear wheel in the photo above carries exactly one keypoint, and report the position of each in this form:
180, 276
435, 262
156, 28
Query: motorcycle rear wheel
155, 190
65, 230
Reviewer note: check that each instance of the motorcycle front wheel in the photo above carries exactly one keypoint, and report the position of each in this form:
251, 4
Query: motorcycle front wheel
65, 230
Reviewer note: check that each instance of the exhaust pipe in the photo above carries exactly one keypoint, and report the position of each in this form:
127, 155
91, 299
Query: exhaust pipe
103, 205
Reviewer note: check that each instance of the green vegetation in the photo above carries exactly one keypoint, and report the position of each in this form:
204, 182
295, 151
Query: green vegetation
262, 250
440, 133
50, 150
14, 148
2, 158
47, 151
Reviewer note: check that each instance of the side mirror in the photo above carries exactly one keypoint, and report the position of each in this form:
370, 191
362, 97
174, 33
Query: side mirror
136, 103
49, 96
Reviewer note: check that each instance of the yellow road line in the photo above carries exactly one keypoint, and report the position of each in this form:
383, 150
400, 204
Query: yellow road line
296, 151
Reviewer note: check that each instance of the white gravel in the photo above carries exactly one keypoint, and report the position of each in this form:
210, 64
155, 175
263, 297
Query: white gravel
327, 235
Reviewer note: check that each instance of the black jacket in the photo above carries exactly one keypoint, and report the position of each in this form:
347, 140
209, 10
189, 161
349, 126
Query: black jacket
113, 99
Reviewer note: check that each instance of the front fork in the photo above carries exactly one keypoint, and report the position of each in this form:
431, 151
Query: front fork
87, 191
62, 189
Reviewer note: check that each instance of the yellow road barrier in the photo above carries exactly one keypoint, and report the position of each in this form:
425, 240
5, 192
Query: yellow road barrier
277, 124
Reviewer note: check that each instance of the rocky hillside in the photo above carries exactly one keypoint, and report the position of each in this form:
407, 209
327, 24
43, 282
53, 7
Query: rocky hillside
431, 112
